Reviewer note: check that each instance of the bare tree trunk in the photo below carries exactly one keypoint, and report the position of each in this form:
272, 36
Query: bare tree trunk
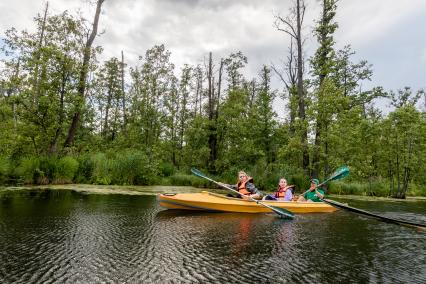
300, 90
123, 93
107, 107
397, 167
82, 78
54, 142
40, 44
293, 27
407, 170
219, 84
212, 140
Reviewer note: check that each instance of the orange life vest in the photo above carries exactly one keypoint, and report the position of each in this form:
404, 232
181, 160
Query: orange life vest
242, 188
280, 193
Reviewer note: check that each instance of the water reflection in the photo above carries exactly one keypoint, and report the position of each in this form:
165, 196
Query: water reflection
63, 236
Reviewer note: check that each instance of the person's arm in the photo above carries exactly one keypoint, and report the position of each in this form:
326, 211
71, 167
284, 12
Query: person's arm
233, 186
288, 195
253, 190
319, 194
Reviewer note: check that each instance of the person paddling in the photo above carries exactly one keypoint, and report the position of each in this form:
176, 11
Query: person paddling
314, 194
283, 193
245, 186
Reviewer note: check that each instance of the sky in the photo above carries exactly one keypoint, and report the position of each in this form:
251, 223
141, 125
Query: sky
390, 35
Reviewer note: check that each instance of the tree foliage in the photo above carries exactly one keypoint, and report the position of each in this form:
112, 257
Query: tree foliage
151, 122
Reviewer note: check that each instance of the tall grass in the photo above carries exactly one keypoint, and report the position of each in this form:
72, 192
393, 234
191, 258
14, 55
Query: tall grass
101, 173
44, 170
133, 167
65, 170
376, 188
4, 169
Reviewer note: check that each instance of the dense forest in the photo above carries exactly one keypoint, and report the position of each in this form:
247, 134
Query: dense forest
67, 117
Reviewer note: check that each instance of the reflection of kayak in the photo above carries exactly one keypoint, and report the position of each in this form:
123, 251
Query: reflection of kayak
208, 201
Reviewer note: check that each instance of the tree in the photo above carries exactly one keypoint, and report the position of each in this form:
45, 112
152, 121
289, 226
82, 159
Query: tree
48, 71
292, 25
322, 65
108, 94
87, 54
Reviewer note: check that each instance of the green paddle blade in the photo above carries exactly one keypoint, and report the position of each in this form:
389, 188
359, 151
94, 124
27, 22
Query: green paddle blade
283, 213
197, 173
340, 173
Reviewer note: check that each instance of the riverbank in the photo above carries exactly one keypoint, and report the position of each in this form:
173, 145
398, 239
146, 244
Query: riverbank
154, 190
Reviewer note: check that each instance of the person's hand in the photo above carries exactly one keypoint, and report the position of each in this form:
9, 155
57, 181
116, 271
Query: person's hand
318, 194
244, 197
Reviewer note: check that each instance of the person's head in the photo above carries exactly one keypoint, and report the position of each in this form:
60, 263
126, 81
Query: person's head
282, 183
242, 176
314, 182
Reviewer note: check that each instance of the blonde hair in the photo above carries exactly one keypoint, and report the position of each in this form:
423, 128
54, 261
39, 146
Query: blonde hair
242, 173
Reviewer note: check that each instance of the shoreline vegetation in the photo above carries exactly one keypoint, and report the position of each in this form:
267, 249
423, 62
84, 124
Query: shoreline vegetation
130, 170
156, 189
68, 117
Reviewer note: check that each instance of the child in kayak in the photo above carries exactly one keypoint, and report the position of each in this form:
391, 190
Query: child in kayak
284, 192
245, 186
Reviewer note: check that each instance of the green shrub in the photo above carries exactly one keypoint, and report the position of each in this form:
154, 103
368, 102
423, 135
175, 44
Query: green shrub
167, 169
101, 173
376, 188
4, 169
416, 190
85, 169
133, 168
66, 168
29, 170
182, 179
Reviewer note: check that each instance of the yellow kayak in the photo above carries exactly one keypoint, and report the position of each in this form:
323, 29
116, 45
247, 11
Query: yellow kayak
207, 201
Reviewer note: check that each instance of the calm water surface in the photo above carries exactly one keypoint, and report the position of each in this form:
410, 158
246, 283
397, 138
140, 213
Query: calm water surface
61, 236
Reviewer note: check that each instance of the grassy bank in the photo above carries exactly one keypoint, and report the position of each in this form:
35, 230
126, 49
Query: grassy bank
135, 168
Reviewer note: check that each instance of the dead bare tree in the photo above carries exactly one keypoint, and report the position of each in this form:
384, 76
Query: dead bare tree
292, 25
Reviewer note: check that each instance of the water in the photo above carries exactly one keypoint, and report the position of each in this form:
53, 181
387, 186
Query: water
62, 236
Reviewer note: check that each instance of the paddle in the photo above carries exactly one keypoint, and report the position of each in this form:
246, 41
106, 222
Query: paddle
338, 174
280, 211
343, 172
366, 213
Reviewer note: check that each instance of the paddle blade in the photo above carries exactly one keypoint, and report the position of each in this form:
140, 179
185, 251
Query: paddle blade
283, 213
340, 173
197, 173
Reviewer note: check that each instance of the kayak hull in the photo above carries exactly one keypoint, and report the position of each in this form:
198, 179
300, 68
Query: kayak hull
207, 201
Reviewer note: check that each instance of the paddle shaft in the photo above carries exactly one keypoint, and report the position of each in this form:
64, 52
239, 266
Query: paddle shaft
366, 213
236, 191
324, 182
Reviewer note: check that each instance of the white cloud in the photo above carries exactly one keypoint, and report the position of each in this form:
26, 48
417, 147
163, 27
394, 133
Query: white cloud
423, 56
192, 28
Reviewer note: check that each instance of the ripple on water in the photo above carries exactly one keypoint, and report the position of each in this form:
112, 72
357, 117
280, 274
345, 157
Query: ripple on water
70, 238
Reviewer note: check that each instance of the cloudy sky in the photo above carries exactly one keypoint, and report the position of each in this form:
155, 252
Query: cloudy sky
391, 35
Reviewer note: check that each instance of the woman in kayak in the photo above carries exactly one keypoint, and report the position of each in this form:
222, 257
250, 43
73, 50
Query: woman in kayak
283, 193
245, 187
314, 194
